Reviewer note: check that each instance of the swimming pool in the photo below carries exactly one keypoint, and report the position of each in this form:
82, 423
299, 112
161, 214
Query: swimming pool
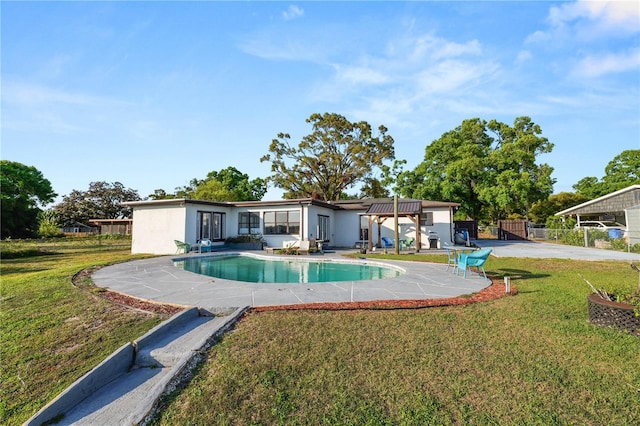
259, 270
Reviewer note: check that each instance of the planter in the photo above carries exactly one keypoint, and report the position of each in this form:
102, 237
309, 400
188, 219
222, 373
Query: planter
612, 314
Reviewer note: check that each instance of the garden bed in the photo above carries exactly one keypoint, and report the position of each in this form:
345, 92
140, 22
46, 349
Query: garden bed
605, 313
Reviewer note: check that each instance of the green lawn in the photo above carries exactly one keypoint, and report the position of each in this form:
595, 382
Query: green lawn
532, 358
527, 359
51, 332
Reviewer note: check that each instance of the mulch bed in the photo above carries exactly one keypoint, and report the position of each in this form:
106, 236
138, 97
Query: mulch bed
83, 281
494, 291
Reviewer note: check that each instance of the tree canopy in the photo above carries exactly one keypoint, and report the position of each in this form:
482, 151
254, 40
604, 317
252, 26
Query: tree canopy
488, 167
22, 190
101, 201
228, 184
621, 172
544, 209
334, 157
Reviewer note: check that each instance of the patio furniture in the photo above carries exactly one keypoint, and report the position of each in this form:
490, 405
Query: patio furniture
408, 243
387, 242
180, 246
303, 247
452, 258
204, 245
475, 258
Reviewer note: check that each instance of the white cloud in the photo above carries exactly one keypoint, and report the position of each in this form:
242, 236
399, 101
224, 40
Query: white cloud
590, 20
24, 94
611, 14
292, 12
595, 66
523, 56
429, 46
360, 75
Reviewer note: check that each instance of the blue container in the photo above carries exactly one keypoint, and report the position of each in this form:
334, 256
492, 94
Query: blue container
615, 233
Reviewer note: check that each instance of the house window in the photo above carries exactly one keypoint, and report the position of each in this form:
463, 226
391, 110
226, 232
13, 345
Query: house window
426, 219
284, 222
323, 228
211, 225
248, 223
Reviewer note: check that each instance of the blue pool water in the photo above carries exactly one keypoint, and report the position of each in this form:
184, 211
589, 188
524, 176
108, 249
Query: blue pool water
255, 270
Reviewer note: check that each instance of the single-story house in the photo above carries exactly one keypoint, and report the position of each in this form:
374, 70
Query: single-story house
344, 223
77, 228
620, 206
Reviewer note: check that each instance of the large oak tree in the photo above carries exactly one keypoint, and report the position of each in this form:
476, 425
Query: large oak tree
490, 168
101, 201
333, 158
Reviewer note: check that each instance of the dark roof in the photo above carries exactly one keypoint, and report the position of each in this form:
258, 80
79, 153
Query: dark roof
386, 209
615, 202
362, 204
365, 203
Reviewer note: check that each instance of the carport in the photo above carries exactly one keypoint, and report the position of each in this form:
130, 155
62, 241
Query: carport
622, 206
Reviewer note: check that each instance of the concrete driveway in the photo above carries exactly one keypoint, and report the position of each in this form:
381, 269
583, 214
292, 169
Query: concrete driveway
548, 250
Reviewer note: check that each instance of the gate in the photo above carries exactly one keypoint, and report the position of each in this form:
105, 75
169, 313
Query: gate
512, 229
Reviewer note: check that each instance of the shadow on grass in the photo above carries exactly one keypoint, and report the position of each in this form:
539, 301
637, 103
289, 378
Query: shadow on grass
517, 274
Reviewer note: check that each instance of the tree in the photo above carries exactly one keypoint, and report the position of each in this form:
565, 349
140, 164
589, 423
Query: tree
373, 188
48, 224
161, 194
543, 209
334, 157
621, 172
454, 168
492, 177
230, 185
514, 180
22, 189
101, 201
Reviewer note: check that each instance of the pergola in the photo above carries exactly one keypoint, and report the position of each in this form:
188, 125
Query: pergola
379, 212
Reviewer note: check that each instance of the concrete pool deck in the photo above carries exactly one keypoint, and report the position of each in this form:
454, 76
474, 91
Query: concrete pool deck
158, 280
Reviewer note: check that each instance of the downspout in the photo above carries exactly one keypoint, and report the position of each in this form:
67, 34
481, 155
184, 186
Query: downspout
396, 236
451, 225
302, 233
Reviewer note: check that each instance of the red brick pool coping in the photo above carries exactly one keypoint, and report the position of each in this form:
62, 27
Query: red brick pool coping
496, 290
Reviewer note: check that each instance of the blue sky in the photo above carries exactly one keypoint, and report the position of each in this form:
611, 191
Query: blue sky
153, 94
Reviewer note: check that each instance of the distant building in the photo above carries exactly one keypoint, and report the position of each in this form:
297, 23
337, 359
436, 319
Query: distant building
113, 226
77, 229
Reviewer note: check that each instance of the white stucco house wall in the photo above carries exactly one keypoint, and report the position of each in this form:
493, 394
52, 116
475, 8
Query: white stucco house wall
345, 223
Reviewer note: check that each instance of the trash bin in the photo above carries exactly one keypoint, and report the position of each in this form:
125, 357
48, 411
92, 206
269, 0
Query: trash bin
615, 233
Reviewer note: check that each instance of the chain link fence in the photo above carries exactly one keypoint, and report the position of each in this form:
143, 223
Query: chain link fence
584, 237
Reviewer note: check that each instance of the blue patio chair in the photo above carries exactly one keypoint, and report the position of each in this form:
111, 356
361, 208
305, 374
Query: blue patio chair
387, 242
475, 258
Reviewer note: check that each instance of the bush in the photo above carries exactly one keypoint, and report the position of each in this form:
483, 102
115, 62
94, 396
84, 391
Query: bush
251, 238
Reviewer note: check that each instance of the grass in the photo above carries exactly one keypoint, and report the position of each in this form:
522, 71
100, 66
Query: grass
52, 332
528, 359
